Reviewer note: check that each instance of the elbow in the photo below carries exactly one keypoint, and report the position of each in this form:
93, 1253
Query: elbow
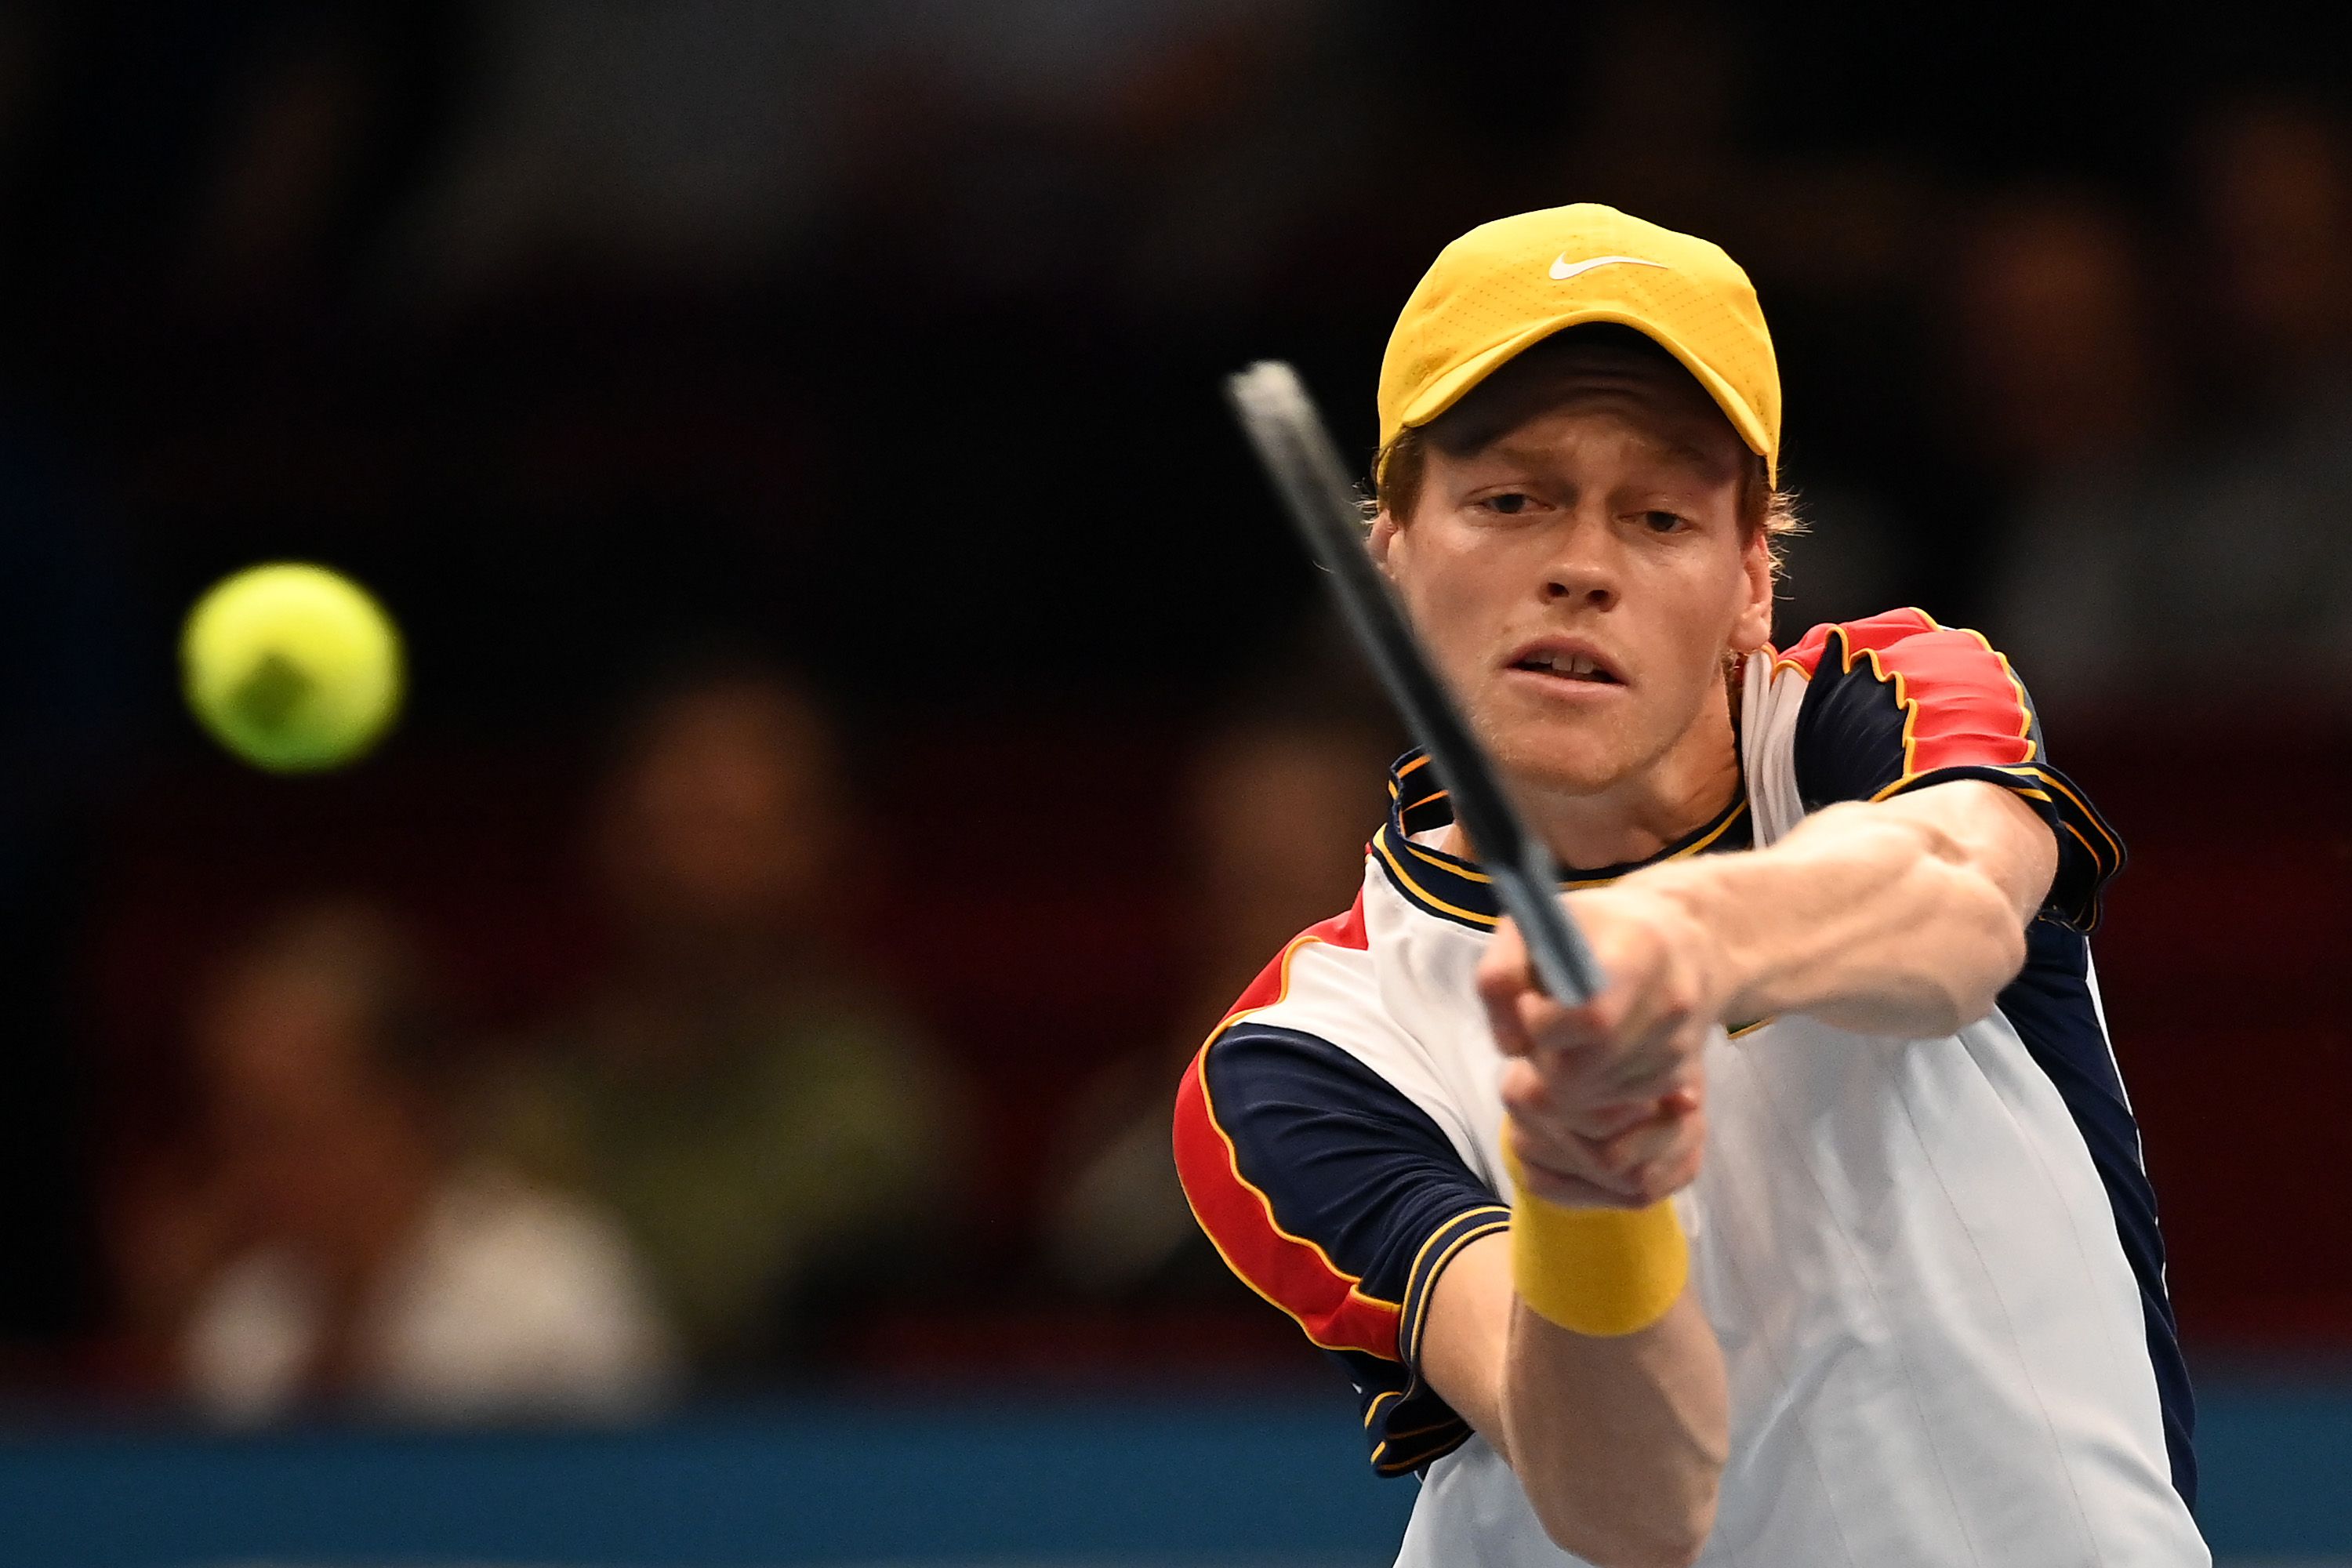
1987, 932
1965, 945
1662, 1523
1642, 1540
1993, 937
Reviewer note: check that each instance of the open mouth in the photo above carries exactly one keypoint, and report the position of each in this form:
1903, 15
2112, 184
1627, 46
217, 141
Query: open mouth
1567, 666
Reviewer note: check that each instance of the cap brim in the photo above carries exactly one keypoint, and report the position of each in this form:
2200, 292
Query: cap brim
1449, 389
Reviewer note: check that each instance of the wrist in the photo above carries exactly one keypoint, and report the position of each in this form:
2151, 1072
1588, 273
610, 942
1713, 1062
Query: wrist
1600, 1272
1706, 894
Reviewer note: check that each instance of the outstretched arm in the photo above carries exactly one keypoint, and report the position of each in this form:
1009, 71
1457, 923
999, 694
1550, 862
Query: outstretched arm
1617, 1442
1902, 917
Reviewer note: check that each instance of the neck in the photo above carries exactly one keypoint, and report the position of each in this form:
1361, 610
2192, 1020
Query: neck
1637, 816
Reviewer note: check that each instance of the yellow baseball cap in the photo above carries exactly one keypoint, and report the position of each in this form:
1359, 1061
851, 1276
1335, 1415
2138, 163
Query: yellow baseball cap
1508, 285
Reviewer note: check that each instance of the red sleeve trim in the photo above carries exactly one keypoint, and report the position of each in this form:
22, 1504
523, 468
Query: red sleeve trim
1962, 705
1290, 1271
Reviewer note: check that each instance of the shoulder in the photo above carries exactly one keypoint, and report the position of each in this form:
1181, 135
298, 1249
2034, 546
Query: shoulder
1865, 710
1942, 676
1330, 958
1321, 1009
1324, 983
1280, 1040
1324, 1187
1310, 1135
1893, 698
1330, 1165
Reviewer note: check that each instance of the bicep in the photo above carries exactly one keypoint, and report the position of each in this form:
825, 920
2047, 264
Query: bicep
1463, 1344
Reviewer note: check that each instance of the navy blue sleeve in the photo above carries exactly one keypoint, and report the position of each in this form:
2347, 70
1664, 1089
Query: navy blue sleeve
1338, 1199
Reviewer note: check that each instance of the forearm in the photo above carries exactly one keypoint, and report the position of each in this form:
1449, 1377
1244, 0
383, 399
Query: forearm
1905, 917
1617, 1442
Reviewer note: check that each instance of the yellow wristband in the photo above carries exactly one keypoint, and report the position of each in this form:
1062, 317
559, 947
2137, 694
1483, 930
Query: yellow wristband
1601, 1272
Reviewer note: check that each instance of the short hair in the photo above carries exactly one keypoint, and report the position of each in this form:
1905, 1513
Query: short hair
1516, 392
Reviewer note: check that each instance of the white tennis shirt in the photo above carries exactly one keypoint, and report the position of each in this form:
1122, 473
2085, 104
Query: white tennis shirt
1932, 1264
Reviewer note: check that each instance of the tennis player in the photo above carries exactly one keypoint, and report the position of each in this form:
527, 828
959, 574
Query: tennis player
1820, 1237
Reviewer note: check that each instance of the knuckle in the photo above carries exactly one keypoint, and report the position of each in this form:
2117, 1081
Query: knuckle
1562, 1190
1660, 1179
1565, 1028
1556, 1187
1523, 1087
1538, 1143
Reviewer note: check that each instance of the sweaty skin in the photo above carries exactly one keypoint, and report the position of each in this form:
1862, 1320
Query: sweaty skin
1580, 582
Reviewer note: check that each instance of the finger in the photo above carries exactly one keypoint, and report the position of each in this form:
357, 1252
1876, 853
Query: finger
1619, 1042
1554, 1027
1656, 1067
1600, 1122
1542, 1144
1526, 1094
1647, 1142
1505, 980
1602, 1094
1572, 1192
1531, 1091
1578, 1097
1676, 1169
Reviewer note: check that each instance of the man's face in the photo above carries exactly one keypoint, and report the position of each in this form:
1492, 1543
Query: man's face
1579, 579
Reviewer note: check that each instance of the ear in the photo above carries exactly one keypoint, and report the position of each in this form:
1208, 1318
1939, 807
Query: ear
1381, 540
1752, 629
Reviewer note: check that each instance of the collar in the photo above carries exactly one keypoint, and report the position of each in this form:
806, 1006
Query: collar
1454, 889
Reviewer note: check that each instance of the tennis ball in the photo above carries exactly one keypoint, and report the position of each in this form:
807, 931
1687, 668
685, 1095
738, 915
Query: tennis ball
293, 667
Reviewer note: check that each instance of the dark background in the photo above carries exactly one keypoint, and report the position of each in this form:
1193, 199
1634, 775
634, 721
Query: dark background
884, 340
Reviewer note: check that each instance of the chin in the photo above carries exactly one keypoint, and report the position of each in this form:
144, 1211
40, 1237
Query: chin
1561, 760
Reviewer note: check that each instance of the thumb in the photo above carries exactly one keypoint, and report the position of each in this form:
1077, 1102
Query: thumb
1504, 981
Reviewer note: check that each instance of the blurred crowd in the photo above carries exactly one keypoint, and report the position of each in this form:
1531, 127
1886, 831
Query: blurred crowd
722, 1128
720, 1158
694, 274
876, 346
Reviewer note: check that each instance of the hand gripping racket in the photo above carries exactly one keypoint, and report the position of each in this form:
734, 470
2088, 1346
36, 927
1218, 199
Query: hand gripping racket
1291, 441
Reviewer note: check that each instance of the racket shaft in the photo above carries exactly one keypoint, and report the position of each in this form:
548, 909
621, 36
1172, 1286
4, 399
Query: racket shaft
1299, 455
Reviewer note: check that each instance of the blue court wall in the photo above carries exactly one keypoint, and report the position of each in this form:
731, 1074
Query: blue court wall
846, 1483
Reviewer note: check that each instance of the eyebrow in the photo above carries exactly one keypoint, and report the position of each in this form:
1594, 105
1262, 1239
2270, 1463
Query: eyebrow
1691, 456
1683, 453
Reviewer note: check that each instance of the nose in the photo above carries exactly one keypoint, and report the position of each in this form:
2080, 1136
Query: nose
1580, 575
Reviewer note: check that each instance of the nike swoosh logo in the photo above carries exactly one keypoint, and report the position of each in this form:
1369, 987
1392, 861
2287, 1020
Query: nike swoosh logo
1562, 269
